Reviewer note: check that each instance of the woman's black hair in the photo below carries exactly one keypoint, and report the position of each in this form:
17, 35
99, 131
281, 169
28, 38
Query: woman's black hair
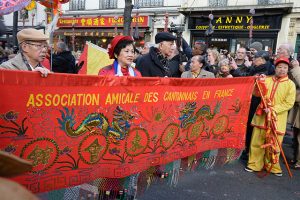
121, 45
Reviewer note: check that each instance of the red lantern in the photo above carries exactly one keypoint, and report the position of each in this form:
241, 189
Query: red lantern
52, 3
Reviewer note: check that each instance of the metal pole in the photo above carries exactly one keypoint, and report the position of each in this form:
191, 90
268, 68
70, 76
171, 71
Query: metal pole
15, 29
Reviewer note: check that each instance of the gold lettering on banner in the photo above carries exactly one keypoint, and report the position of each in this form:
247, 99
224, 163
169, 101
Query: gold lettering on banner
38, 100
206, 94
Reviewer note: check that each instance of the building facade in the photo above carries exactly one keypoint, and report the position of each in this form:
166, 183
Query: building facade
34, 17
239, 23
98, 21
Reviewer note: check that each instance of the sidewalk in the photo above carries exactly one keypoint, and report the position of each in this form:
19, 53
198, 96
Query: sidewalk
231, 182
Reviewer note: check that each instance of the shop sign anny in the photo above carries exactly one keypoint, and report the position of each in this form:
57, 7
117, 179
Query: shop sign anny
262, 23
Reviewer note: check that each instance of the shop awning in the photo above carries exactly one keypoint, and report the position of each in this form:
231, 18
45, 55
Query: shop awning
94, 32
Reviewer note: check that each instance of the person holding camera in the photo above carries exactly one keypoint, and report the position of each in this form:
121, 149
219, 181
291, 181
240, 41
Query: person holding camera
241, 64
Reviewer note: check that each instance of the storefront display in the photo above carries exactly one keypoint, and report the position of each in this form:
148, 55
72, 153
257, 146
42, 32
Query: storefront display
98, 30
232, 32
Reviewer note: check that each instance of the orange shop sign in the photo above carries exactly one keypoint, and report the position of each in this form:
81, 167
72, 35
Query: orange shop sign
101, 21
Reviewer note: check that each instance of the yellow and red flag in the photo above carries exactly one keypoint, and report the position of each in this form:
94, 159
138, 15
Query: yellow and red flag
94, 58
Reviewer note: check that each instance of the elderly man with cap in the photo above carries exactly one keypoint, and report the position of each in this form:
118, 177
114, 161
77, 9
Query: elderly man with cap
156, 63
33, 48
280, 92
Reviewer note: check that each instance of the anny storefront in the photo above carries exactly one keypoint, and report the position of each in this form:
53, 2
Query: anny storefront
232, 27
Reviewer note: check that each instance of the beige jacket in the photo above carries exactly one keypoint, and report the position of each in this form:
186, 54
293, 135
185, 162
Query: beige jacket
15, 63
294, 114
203, 74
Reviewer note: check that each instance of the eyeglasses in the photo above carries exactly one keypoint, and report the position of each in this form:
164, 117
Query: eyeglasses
38, 46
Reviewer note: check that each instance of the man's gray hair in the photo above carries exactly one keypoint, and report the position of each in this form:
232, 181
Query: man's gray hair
289, 48
62, 46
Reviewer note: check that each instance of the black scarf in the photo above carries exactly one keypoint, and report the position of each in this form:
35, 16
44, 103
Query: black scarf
164, 61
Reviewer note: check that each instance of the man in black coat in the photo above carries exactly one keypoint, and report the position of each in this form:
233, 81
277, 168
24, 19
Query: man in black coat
156, 63
63, 61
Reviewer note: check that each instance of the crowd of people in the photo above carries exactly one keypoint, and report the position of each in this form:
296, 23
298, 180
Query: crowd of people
281, 76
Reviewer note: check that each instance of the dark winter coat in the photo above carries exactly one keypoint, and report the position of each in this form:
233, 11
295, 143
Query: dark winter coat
63, 62
267, 69
150, 66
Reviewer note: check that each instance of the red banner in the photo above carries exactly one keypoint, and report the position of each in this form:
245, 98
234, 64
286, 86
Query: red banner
103, 21
76, 128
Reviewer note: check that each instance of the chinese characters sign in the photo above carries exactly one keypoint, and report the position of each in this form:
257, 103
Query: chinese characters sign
101, 21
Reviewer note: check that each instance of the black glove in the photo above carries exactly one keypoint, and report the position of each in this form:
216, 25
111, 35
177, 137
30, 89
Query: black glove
78, 67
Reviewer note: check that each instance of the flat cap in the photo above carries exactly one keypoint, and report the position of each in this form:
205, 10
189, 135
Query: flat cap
31, 34
164, 36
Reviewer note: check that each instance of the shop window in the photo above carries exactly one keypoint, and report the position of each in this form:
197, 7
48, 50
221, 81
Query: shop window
266, 2
77, 5
149, 3
107, 4
217, 3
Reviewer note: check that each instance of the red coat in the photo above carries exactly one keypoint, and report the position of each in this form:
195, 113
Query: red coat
46, 63
110, 71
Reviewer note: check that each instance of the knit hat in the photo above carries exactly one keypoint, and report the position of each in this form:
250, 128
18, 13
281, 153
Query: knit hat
114, 43
31, 34
262, 54
256, 45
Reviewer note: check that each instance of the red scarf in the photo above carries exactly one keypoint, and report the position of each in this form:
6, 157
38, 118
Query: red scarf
125, 71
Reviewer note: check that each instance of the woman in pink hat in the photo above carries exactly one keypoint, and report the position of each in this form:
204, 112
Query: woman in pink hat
122, 50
